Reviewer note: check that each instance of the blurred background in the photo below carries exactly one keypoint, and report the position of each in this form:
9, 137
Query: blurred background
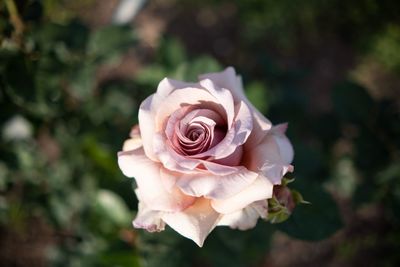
73, 73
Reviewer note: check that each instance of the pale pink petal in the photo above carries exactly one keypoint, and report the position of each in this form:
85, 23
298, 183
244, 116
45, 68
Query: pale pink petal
175, 119
260, 123
147, 218
229, 80
135, 131
203, 113
270, 157
132, 143
169, 178
148, 109
167, 86
233, 159
219, 169
147, 126
245, 121
246, 218
285, 147
261, 126
205, 123
236, 136
225, 79
214, 186
135, 163
195, 223
170, 159
223, 96
178, 99
260, 189
275, 171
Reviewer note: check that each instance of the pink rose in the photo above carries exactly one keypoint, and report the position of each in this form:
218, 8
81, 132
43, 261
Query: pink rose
203, 157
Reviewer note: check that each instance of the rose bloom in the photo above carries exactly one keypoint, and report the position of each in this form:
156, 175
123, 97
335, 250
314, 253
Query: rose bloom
203, 156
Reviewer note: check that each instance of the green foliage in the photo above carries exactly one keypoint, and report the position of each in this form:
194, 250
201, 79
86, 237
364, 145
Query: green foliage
386, 46
108, 43
351, 101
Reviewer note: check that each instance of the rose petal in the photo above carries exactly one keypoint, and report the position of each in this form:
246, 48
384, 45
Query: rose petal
229, 80
225, 79
285, 147
170, 159
134, 163
148, 108
236, 136
132, 143
271, 156
219, 169
214, 186
223, 96
260, 189
178, 99
195, 223
148, 219
169, 178
147, 126
209, 114
246, 218
233, 159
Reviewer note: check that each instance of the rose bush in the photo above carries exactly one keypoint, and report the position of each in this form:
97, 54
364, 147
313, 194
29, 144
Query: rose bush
203, 156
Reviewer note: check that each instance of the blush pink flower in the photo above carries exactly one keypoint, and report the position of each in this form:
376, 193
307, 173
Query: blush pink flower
203, 156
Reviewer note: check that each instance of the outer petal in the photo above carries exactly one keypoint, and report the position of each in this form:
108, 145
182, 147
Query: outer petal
148, 219
214, 186
226, 79
147, 125
246, 218
134, 163
272, 156
196, 222
285, 147
261, 189
132, 143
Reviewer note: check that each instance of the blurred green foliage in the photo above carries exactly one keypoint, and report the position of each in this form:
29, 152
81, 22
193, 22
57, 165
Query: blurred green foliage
62, 125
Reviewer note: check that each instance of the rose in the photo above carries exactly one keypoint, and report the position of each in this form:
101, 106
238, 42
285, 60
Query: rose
203, 156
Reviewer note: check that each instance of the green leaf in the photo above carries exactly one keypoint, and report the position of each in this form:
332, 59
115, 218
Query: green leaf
298, 197
113, 207
286, 181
